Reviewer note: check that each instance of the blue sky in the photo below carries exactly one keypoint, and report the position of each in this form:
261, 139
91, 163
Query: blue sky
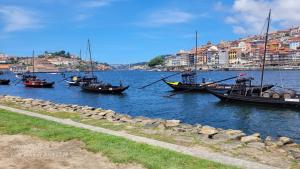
128, 31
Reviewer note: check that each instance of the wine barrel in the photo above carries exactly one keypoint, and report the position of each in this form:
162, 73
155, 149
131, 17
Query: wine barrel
289, 94
276, 95
268, 93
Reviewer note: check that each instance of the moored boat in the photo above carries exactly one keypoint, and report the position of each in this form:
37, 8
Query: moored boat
204, 86
31, 80
37, 83
255, 98
288, 98
4, 81
101, 87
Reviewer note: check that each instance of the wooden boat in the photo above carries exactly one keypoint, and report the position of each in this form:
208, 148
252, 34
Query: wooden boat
256, 98
4, 82
33, 81
78, 80
100, 87
288, 99
203, 87
103, 88
37, 83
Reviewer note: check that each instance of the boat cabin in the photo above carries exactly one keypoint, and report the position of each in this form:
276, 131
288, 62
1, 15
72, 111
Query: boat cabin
189, 77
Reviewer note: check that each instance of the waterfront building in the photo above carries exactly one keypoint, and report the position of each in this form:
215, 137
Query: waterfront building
58, 61
294, 43
183, 58
295, 31
273, 45
168, 61
223, 57
18, 68
4, 58
201, 55
295, 55
234, 55
212, 56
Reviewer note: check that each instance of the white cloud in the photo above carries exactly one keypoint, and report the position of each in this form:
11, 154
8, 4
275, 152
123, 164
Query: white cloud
239, 30
17, 19
219, 6
82, 17
167, 17
249, 16
231, 20
96, 3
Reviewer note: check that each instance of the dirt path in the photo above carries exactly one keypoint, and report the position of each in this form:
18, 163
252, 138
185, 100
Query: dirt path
204, 154
20, 152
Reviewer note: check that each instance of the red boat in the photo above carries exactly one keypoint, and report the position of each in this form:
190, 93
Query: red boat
33, 81
37, 83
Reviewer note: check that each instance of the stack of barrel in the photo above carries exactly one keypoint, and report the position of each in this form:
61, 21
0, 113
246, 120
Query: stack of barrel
286, 94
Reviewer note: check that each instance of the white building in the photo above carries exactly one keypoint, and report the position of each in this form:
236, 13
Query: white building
212, 56
294, 43
223, 57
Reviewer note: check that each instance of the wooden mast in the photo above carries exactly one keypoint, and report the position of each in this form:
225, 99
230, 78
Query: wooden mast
92, 69
80, 54
33, 62
265, 52
195, 59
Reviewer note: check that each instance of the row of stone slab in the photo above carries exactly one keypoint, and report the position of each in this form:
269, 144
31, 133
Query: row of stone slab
175, 125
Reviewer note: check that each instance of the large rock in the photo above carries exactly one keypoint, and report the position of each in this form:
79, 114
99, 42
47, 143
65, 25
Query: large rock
109, 113
228, 135
208, 130
270, 143
27, 100
284, 141
106, 113
125, 119
234, 134
172, 123
252, 138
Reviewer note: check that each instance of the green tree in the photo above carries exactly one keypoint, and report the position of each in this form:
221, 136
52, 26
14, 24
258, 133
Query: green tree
158, 60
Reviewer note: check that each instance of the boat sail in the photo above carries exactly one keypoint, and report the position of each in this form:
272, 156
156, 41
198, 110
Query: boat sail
288, 98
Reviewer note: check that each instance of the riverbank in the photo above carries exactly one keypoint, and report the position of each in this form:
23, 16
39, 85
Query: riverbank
280, 152
117, 149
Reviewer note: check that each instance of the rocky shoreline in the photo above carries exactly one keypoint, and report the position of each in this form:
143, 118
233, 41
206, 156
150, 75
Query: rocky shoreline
225, 140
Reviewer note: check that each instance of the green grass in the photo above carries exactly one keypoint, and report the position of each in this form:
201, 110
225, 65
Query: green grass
115, 148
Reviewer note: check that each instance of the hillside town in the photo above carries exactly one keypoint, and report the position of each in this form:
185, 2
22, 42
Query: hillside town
48, 62
283, 51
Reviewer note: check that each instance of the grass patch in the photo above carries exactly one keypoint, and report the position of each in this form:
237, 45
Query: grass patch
115, 148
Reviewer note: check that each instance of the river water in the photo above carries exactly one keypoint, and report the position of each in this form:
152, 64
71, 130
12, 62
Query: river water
189, 107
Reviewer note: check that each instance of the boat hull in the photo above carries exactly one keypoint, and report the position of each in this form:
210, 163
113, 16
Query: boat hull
104, 89
177, 86
4, 82
39, 84
294, 103
73, 83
